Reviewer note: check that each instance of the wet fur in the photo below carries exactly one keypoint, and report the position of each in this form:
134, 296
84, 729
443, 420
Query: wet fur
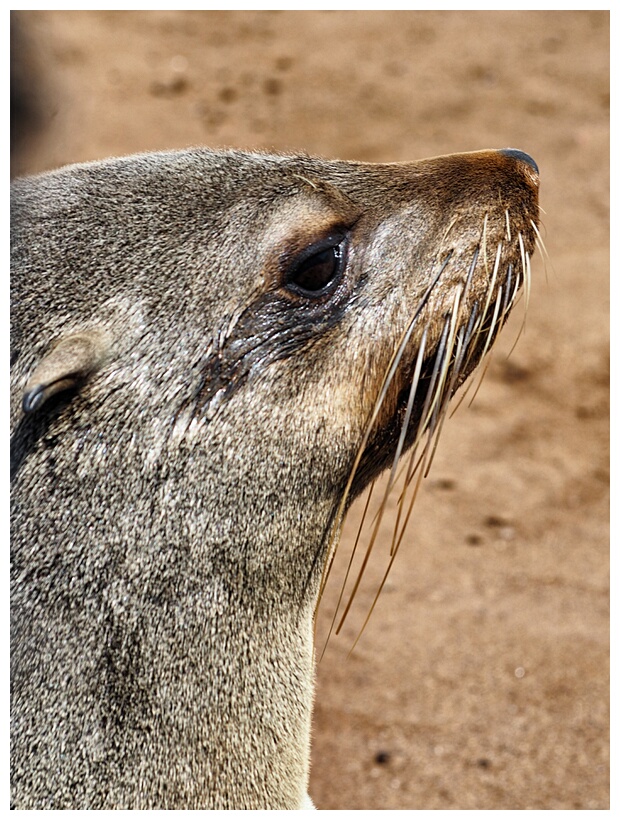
177, 492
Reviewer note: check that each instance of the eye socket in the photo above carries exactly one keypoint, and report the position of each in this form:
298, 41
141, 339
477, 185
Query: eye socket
319, 269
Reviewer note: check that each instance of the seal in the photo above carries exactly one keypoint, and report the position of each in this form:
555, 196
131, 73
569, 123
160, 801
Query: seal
213, 353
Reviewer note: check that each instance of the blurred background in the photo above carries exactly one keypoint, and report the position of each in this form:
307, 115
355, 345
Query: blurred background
482, 679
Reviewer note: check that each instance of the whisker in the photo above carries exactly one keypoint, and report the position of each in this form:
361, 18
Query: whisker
412, 394
508, 235
461, 348
472, 328
485, 224
540, 243
473, 314
387, 380
485, 367
472, 268
527, 279
414, 495
401, 442
491, 333
443, 394
377, 524
464, 342
487, 344
447, 232
438, 369
546, 259
350, 564
514, 298
361, 526
394, 475
491, 286
401, 499
429, 400
446, 357
507, 297
514, 344
373, 605
525, 262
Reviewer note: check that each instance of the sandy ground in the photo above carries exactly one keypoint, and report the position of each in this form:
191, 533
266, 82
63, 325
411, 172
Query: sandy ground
482, 680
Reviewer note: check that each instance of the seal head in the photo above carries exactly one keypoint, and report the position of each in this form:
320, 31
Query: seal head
216, 352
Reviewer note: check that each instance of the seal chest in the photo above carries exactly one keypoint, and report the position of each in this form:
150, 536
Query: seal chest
213, 354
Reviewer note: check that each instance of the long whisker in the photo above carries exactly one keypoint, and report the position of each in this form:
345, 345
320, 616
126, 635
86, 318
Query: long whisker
527, 279
443, 394
423, 428
463, 341
461, 348
396, 544
480, 326
472, 331
387, 380
468, 282
525, 261
540, 243
379, 514
356, 543
487, 344
405, 425
483, 317
457, 369
412, 395
485, 224
491, 286
507, 296
462, 344
412, 467
438, 368
425, 417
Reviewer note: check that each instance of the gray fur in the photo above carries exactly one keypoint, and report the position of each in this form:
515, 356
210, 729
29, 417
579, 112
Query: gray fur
172, 505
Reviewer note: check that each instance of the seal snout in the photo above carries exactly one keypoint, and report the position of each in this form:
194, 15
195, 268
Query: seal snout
521, 156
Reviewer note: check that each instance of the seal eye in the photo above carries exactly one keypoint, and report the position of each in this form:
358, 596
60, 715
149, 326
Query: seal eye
319, 269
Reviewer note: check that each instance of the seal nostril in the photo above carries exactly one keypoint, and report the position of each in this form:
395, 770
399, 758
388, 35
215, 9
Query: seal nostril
520, 155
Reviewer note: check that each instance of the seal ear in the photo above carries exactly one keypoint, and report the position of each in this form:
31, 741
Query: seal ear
66, 365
